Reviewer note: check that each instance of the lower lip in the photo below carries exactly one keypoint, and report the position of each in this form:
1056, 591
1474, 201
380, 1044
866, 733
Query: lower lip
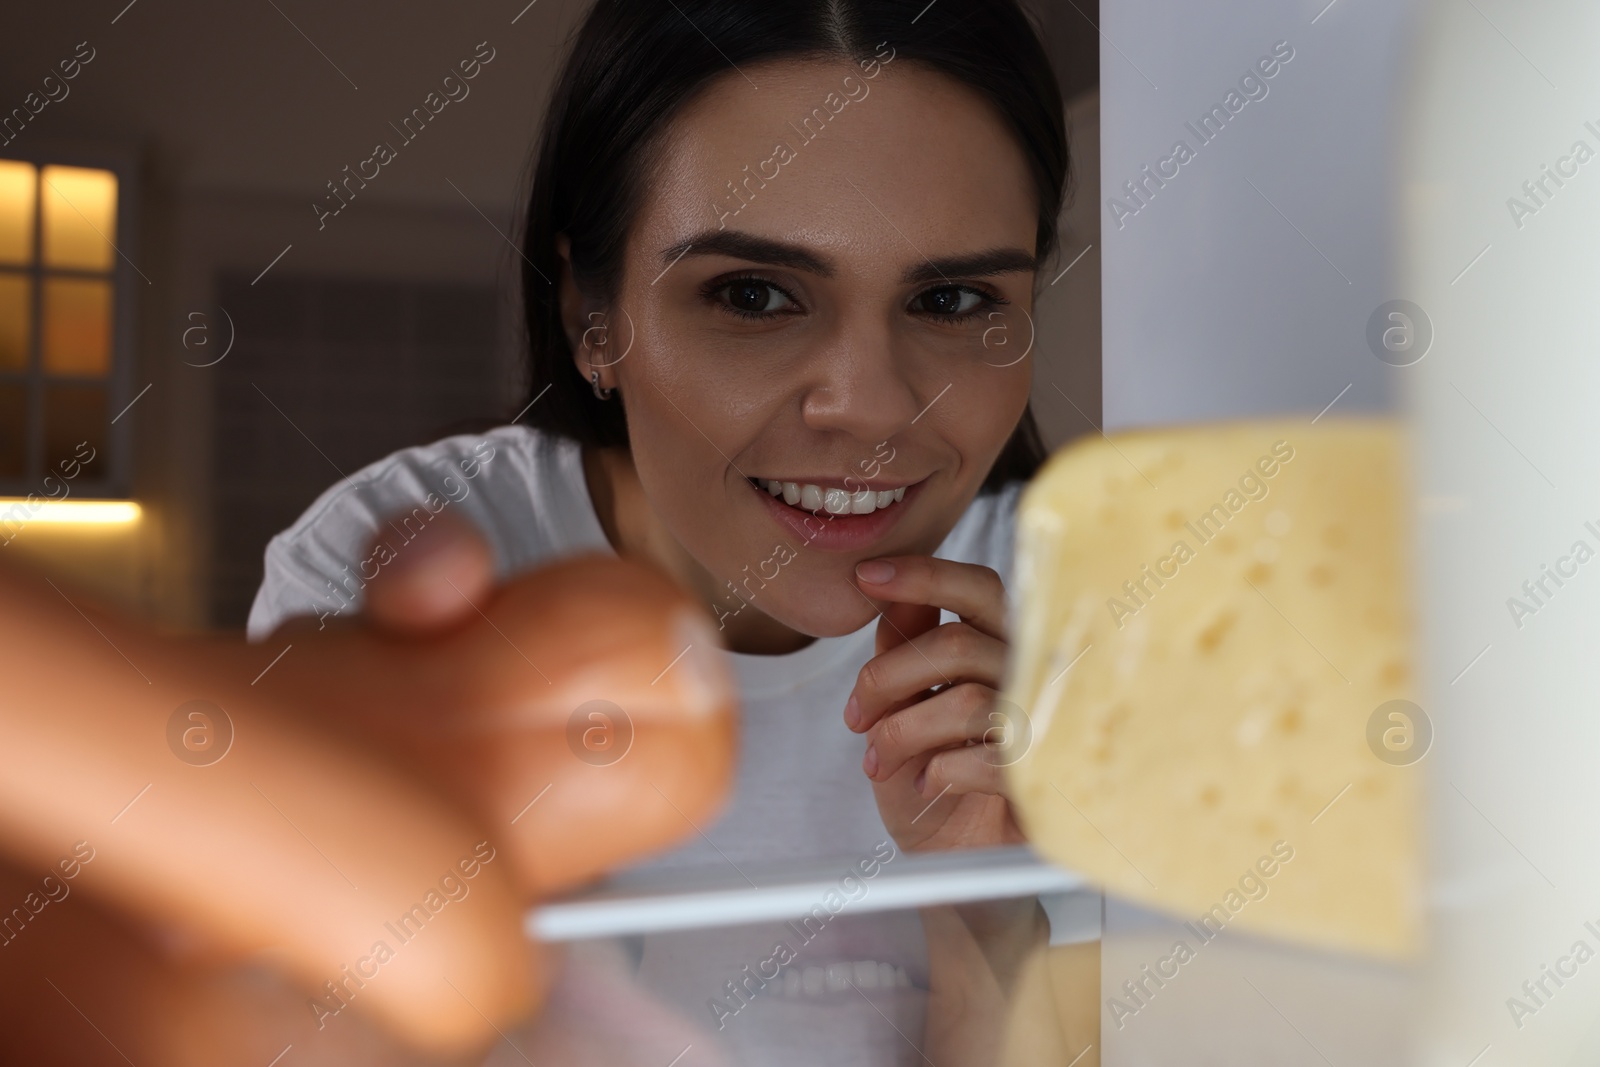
837, 533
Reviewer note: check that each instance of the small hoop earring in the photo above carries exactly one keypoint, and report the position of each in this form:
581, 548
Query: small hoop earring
594, 380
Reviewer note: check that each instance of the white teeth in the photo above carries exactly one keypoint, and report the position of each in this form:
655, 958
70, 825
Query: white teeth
811, 981
836, 501
800, 982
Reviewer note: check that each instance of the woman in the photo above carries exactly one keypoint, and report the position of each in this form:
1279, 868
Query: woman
779, 268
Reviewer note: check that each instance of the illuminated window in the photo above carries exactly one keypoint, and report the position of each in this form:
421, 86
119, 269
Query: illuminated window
61, 325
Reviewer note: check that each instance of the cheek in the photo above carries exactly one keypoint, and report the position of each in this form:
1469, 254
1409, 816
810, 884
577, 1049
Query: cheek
692, 409
687, 429
984, 404
674, 365
686, 422
988, 363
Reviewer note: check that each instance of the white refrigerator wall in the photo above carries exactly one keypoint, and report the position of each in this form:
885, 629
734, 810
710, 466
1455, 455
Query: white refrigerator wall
1501, 191
1241, 284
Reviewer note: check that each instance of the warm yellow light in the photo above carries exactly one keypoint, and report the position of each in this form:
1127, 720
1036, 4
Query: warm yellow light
80, 217
18, 510
16, 315
77, 326
16, 211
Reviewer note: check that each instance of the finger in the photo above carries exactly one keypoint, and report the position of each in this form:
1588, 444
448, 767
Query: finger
431, 583
947, 655
958, 771
972, 591
434, 701
949, 717
899, 623
575, 820
293, 841
75, 961
510, 705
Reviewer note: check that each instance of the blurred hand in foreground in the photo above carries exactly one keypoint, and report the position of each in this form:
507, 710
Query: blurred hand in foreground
211, 852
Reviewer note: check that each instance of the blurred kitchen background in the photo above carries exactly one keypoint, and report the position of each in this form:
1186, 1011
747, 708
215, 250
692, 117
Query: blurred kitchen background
169, 295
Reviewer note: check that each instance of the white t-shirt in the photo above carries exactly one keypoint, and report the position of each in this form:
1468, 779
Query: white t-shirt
800, 791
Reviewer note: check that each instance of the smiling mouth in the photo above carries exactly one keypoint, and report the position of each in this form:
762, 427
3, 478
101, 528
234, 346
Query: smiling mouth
829, 499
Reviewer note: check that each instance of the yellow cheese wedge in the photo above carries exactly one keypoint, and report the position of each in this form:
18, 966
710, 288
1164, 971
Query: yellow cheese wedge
1211, 623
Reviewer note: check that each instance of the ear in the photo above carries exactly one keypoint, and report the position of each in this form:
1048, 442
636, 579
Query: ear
575, 311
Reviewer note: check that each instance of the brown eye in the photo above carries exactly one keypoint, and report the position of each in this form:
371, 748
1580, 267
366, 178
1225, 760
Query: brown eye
950, 301
752, 296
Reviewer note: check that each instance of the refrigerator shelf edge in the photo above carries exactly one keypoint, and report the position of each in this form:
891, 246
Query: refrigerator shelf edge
914, 881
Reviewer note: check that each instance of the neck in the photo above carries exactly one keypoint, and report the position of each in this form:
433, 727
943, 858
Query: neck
637, 532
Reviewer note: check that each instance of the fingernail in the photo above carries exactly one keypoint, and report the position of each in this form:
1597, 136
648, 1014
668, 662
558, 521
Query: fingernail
876, 571
870, 763
852, 712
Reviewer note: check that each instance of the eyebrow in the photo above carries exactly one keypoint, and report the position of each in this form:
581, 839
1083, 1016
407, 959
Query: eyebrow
748, 246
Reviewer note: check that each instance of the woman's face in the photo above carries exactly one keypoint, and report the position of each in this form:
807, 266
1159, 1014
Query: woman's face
855, 318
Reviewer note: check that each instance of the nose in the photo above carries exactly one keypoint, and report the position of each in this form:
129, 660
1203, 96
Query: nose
863, 384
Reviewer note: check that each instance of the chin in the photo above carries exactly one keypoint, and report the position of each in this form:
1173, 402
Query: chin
825, 619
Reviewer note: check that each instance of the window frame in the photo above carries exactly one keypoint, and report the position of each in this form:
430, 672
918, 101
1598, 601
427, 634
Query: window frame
115, 480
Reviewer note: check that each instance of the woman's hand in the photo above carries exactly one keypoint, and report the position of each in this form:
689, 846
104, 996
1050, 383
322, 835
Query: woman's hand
211, 899
436, 673
926, 701
936, 745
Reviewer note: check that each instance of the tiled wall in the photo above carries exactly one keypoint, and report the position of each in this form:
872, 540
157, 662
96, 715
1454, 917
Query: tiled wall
326, 376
